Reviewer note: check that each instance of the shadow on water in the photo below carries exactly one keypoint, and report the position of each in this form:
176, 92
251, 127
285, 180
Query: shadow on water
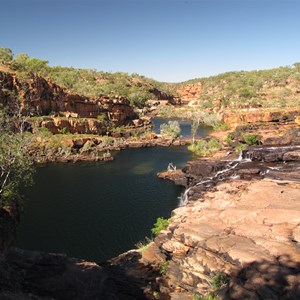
96, 211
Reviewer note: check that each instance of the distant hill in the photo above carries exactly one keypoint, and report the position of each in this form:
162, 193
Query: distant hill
274, 88
87, 82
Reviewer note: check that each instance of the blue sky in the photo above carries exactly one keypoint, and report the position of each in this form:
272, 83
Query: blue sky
168, 40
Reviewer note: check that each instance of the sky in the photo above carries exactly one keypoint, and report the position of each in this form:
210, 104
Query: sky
167, 40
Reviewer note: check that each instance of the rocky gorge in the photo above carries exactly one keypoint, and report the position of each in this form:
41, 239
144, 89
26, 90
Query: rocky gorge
43, 97
239, 226
235, 236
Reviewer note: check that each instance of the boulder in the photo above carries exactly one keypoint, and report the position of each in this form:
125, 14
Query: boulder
290, 137
291, 156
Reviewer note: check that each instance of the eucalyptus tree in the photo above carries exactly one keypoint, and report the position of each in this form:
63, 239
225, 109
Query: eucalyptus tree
6, 55
16, 160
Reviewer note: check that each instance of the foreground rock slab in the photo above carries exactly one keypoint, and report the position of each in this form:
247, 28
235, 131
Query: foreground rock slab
249, 230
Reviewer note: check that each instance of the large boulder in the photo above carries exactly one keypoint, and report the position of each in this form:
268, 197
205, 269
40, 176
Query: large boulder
291, 137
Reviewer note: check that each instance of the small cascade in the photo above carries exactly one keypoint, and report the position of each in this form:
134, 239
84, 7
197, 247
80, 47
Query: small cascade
184, 199
219, 176
245, 155
260, 156
268, 154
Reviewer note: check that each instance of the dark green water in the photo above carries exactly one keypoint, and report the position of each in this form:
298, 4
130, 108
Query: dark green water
96, 211
185, 126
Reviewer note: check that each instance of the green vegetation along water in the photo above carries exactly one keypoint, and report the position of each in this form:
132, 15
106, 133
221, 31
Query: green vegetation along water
185, 126
96, 211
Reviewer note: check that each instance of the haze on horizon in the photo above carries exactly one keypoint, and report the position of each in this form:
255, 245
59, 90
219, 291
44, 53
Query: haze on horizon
168, 40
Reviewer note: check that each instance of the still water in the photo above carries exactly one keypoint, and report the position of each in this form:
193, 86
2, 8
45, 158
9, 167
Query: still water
185, 126
98, 210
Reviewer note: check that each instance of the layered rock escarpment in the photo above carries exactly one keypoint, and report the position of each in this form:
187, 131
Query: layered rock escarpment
242, 90
189, 93
233, 119
46, 97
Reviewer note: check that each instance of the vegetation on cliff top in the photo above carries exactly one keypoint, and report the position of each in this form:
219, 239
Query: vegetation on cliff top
89, 82
278, 87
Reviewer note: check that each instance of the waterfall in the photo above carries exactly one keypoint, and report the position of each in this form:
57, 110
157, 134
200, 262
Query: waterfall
184, 199
245, 156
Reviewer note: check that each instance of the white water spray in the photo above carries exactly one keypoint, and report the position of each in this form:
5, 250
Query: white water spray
184, 199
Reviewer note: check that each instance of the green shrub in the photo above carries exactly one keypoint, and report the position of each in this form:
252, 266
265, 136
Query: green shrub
44, 132
63, 130
171, 129
164, 267
219, 126
209, 296
102, 117
240, 147
6, 55
251, 139
228, 139
204, 148
143, 245
161, 224
218, 280
119, 129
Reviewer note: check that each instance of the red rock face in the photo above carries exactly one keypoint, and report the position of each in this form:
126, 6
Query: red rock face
47, 97
255, 116
189, 92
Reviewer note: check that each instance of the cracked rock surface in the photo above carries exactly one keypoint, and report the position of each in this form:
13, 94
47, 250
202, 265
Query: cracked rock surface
248, 229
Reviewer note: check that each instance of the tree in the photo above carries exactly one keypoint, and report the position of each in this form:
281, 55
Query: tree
172, 128
19, 63
36, 65
6, 55
297, 66
197, 118
15, 160
23, 62
194, 127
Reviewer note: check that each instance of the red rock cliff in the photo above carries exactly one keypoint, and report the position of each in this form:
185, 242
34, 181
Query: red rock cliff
47, 97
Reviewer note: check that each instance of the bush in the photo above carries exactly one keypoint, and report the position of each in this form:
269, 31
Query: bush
251, 139
209, 296
164, 267
6, 55
16, 161
102, 117
63, 130
161, 224
204, 148
240, 147
23, 62
219, 126
143, 245
218, 280
44, 132
171, 129
228, 139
